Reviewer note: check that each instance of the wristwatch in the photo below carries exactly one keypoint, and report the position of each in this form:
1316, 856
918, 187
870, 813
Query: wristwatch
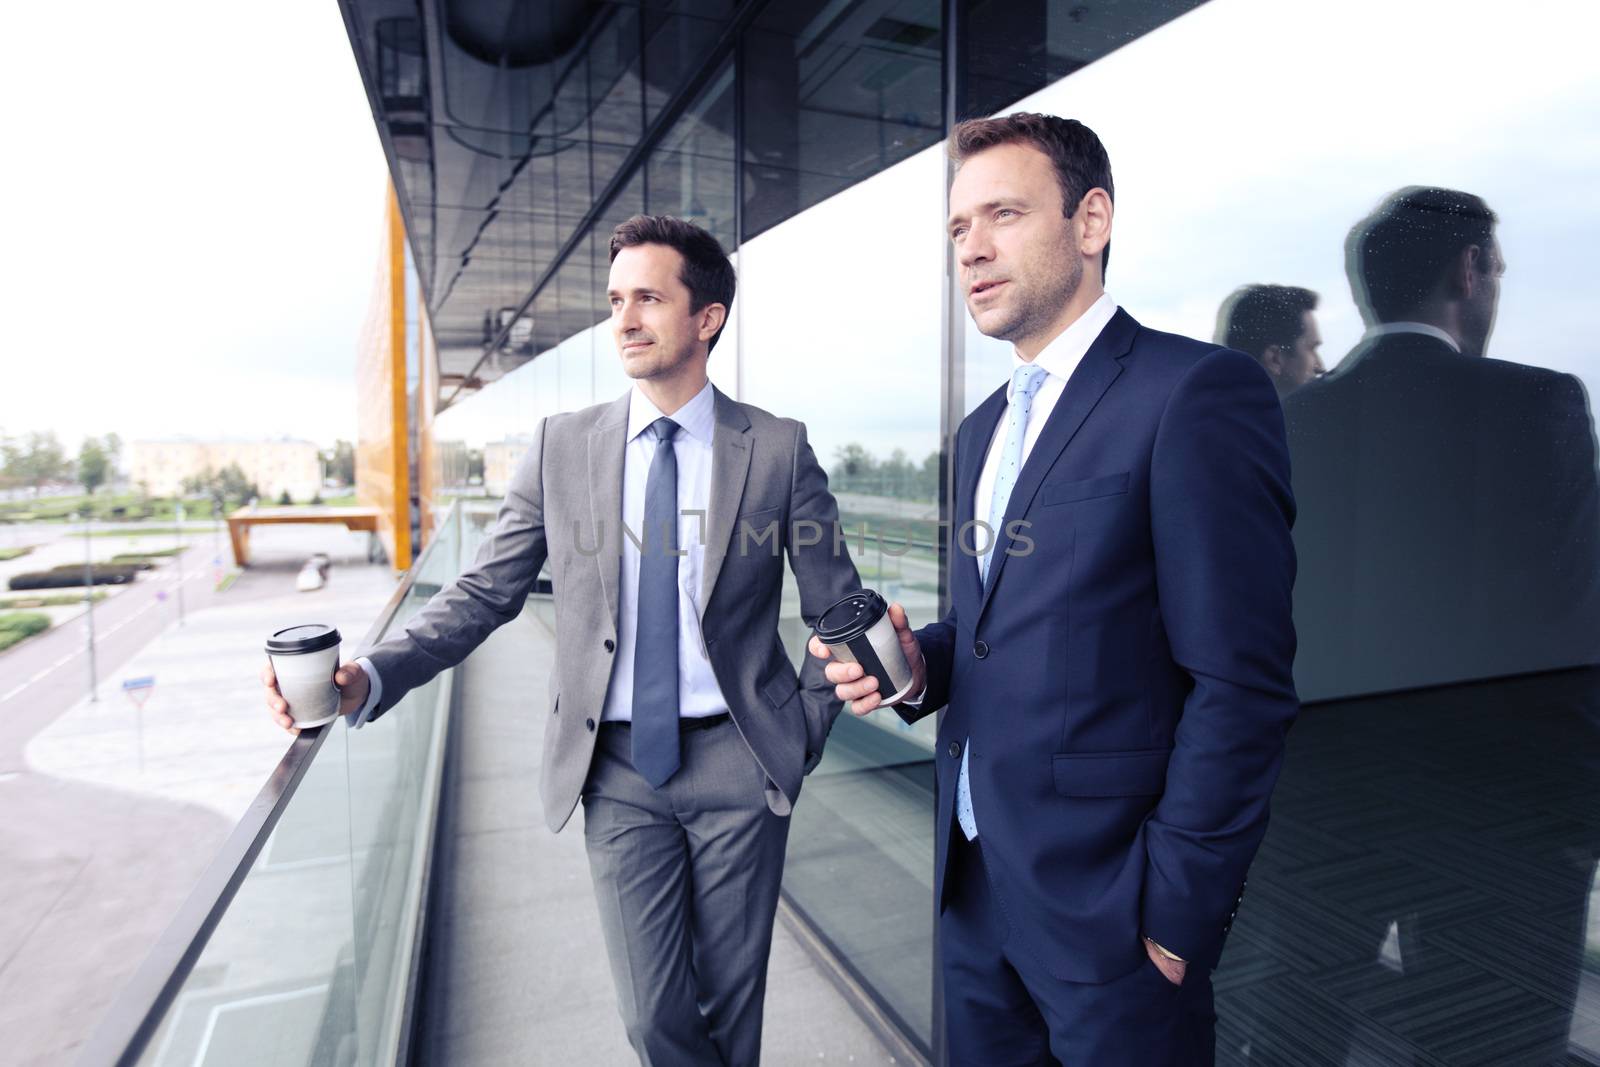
1173, 956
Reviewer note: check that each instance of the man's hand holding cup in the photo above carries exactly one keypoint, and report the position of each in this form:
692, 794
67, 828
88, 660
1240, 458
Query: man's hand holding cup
304, 688
870, 665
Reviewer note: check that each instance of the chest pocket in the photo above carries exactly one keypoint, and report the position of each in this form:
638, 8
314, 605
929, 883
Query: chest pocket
1085, 489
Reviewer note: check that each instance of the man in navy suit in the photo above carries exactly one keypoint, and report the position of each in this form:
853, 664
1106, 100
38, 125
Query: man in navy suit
1117, 667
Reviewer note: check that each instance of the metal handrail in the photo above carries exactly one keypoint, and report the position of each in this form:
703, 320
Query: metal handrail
136, 1014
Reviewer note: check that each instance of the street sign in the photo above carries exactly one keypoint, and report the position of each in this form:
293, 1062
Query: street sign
138, 690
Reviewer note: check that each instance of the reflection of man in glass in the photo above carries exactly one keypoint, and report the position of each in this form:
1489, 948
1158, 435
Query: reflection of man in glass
1448, 503
1275, 324
1118, 694
1447, 534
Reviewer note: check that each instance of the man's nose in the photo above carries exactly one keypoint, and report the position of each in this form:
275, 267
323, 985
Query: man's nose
975, 248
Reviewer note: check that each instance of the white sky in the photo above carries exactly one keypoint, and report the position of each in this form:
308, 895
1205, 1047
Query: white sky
191, 209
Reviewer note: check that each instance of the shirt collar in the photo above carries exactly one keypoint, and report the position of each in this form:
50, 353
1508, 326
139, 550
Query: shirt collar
1384, 329
697, 417
1062, 355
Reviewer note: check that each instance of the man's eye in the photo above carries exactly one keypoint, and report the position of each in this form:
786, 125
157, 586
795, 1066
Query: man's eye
956, 235
1003, 212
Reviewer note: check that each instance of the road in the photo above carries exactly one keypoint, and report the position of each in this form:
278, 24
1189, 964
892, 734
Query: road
45, 675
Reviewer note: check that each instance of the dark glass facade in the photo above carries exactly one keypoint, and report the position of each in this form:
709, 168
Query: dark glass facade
1427, 890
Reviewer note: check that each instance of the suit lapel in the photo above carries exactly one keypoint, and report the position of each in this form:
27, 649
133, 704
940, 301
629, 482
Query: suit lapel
608, 441
979, 431
730, 463
1100, 367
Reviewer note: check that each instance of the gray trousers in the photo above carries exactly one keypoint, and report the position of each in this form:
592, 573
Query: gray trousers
687, 881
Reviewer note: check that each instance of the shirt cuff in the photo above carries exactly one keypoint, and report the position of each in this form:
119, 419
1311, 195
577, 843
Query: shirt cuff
914, 703
374, 696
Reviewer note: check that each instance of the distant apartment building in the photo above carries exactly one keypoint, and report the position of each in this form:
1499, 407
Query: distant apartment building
500, 459
275, 466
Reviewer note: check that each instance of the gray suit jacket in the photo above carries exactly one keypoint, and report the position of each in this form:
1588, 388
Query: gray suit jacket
565, 504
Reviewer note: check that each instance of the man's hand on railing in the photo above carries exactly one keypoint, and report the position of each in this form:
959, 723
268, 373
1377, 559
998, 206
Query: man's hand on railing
353, 683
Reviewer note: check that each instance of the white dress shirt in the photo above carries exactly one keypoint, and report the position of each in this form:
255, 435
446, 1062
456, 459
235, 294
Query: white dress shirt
1384, 329
698, 691
1059, 359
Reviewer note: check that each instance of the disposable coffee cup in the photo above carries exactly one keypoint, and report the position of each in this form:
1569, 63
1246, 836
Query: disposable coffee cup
304, 659
857, 630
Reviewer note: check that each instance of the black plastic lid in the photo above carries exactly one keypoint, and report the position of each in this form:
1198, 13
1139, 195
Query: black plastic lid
310, 637
851, 617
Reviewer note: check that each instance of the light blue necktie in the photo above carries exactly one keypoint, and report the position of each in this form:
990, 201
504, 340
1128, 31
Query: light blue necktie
1024, 384
655, 643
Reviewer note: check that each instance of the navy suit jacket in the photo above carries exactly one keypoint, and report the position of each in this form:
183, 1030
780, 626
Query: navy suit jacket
1125, 686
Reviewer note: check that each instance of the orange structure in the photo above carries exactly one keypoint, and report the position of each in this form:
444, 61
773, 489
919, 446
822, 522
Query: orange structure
387, 444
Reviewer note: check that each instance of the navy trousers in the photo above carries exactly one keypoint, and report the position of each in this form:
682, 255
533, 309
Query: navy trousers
1002, 1009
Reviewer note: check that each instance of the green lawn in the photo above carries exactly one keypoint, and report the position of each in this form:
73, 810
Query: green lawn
148, 554
50, 600
133, 530
18, 626
107, 507
14, 553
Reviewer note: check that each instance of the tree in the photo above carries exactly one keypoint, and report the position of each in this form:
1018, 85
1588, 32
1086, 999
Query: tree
855, 470
94, 465
342, 463
37, 460
285, 498
234, 485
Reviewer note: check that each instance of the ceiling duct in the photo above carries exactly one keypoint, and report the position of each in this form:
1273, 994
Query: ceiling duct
514, 34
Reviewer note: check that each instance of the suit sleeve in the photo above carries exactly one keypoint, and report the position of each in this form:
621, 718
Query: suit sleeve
824, 574
486, 595
937, 640
1221, 512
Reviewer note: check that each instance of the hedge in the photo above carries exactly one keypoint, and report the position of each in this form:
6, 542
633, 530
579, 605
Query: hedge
66, 577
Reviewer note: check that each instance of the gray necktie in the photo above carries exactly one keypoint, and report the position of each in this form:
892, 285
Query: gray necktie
655, 642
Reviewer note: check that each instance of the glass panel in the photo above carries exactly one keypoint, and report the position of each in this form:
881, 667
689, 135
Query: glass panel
1422, 892
691, 171
832, 94
310, 962
678, 43
1011, 49
866, 816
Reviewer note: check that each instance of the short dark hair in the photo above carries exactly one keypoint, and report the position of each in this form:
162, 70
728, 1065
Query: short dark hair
706, 272
1079, 158
1396, 255
1256, 317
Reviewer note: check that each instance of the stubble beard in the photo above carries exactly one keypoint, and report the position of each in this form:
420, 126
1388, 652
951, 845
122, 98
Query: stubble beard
655, 362
1039, 309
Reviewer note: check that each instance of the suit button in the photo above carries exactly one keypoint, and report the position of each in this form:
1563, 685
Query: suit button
981, 649
955, 749
590, 724
611, 646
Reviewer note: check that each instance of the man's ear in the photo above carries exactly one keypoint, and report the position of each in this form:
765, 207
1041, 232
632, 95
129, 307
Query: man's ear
1094, 217
1466, 271
1272, 359
712, 317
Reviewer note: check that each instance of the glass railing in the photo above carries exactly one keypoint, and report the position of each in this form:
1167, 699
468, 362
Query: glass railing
300, 943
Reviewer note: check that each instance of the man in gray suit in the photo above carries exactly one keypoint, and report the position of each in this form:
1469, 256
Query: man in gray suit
675, 713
